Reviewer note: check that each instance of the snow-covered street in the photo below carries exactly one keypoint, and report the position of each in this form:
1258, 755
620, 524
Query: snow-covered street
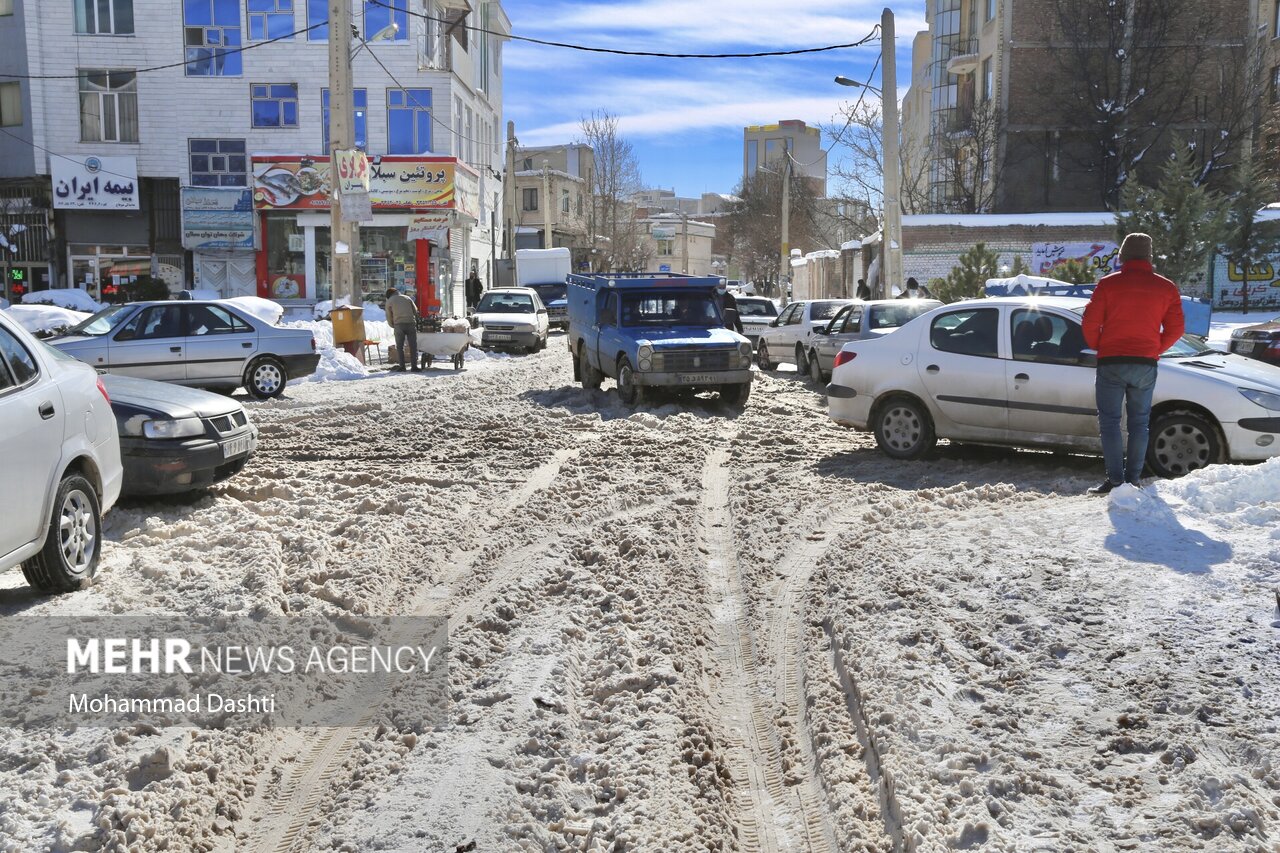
679, 627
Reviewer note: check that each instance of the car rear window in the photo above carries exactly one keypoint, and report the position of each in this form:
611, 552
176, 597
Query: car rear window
826, 310
757, 308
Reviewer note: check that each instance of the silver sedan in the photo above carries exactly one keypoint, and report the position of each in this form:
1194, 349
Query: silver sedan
857, 322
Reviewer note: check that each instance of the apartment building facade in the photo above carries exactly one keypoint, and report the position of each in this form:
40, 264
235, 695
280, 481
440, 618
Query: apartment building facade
135, 118
552, 198
1043, 105
765, 146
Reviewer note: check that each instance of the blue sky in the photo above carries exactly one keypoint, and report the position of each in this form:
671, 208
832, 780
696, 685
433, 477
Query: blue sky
685, 116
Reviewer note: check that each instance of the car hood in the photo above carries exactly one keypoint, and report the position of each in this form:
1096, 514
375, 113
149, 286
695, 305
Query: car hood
686, 336
501, 319
1269, 326
1234, 369
175, 401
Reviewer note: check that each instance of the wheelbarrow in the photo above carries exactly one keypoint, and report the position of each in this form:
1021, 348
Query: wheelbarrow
441, 345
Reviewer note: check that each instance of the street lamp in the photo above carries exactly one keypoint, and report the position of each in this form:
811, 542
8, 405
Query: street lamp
854, 84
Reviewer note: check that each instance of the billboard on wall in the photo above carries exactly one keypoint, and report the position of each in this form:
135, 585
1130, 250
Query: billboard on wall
397, 183
94, 183
1101, 255
1229, 284
217, 218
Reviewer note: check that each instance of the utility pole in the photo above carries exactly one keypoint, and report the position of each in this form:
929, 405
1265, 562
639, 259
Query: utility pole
891, 266
344, 236
509, 192
784, 273
684, 229
548, 241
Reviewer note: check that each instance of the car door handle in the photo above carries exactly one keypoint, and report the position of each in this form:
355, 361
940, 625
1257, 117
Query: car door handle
1021, 377
933, 368
175, 349
46, 410
246, 345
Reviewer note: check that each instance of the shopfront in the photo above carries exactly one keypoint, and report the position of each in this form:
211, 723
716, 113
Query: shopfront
219, 228
292, 195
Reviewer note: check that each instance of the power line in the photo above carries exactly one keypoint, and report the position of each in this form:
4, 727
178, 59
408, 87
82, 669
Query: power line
63, 156
217, 53
839, 137
619, 52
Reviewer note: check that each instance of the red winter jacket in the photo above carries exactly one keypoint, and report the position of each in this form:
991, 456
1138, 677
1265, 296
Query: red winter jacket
1134, 315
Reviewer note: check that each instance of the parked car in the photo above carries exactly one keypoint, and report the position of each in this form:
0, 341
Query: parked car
1261, 341
175, 439
856, 322
201, 343
786, 339
756, 313
512, 318
61, 462
1015, 372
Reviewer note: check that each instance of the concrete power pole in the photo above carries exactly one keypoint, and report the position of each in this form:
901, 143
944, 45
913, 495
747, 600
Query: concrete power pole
548, 240
784, 274
891, 266
509, 191
684, 229
344, 236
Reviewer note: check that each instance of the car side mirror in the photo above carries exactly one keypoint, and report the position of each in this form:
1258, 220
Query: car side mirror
125, 335
773, 323
542, 310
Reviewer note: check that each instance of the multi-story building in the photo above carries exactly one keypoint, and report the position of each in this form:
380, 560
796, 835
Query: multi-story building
552, 198
666, 201
1031, 108
678, 244
763, 147
112, 107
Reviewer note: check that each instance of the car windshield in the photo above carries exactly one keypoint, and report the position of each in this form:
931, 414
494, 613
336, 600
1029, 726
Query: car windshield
505, 303
757, 308
550, 292
826, 310
1185, 347
893, 316
103, 322
670, 309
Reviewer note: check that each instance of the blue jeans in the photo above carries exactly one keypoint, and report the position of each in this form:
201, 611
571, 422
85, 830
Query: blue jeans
1125, 387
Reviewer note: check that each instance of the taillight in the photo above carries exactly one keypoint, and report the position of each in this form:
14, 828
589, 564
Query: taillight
103, 388
845, 356
313, 344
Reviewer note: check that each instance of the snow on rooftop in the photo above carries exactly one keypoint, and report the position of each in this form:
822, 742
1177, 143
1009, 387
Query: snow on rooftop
1009, 220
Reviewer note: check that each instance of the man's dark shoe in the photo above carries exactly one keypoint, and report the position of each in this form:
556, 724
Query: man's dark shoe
1105, 488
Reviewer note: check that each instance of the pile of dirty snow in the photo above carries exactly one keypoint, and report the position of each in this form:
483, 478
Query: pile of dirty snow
44, 319
73, 299
372, 313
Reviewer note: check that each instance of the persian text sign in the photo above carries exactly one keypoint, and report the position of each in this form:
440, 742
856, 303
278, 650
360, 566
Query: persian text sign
353, 171
395, 183
217, 218
1100, 255
1229, 284
94, 183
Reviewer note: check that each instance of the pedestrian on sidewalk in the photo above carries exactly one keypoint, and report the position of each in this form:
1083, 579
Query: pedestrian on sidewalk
864, 292
728, 304
475, 289
915, 290
402, 316
1132, 318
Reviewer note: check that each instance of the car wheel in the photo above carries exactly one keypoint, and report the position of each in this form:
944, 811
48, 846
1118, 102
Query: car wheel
802, 363
1181, 442
74, 542
903, 429
628, 390
815, 370
735, 395
762, 357
265, 378
589, 376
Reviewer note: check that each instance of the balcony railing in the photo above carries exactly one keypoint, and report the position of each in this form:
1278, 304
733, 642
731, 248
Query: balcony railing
964, 57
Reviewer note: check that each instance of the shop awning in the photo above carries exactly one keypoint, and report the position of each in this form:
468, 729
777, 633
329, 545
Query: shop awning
125, 267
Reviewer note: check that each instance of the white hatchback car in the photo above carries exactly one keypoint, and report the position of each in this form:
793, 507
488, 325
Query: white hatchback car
1015, 372
512, 318
59, 449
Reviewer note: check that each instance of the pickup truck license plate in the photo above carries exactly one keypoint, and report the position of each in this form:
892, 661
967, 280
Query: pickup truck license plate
494, 336
697, 379
1244, 347
235, 447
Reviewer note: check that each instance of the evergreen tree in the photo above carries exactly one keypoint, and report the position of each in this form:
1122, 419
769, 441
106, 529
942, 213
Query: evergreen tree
969, 278
1019, 267
1075, 272
1184, 218
1246, 241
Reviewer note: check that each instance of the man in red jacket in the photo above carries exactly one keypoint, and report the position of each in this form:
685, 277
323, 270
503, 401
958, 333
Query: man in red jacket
1133, 317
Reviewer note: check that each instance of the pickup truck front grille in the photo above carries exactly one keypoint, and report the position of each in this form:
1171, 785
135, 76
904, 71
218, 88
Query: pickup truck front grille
684, 361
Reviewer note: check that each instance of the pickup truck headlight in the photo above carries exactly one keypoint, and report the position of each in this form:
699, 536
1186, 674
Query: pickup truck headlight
744, 353
644, 351
1265, 399
180, 428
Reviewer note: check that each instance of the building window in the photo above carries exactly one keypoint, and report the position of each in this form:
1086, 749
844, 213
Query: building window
530, 199
666, 247
218, 163
274, 104
360, 122
1275, 85
6, 7
386, 24
108, 106
98, 17
1275, 27
564, 201
10, 104
212, 32
318, 13
988, 80
408, 121
991, 10
270, 19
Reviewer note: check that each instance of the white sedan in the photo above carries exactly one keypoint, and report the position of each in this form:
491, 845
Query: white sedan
786, 339
1015, 372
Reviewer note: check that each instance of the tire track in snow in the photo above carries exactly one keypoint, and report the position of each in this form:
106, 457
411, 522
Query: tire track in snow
772, 816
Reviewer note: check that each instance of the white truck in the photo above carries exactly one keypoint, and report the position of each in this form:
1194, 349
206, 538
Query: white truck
545, 270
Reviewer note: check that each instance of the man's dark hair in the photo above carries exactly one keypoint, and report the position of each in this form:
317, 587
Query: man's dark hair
911, 282
391, 291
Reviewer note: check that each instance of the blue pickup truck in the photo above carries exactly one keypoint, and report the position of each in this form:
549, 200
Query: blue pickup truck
647, 330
